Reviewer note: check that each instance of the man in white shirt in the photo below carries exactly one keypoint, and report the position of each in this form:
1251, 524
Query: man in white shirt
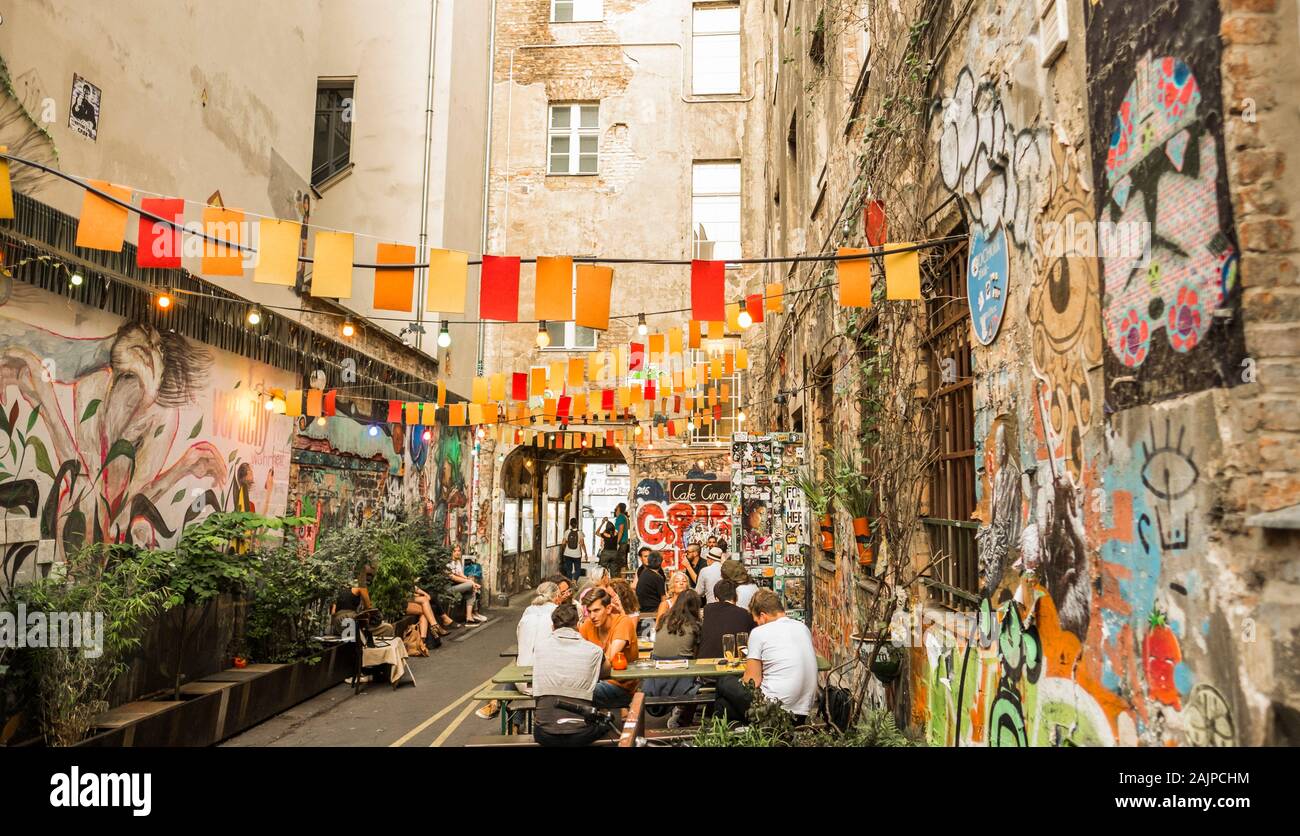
781, 664
710, 575
566, 668
534, 625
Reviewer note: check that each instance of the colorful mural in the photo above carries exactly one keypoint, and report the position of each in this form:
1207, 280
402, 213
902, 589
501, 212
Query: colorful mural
126, 433
671, 517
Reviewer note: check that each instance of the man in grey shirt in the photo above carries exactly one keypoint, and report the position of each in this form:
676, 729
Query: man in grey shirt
566, 667
710, 574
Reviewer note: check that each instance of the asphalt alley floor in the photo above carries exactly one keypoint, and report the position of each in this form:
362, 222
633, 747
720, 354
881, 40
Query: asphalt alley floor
437, 711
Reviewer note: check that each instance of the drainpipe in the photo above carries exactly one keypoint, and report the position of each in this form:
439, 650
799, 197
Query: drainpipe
424, 167
487, 158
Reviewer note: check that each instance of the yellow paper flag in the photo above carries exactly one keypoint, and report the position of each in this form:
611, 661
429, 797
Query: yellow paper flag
559, 371
715, 330
6, 187
774, 297
331, 272
903, 274
293, 403
456, 415
742, 358
442, 393
224, 225
498, 387
476, 413
594, 286
448, 277
733, 318
675, 341
429, 414
103, 223
479, 390
553, 291
577, 372
597, 362
412, 413
854, 278
277, 252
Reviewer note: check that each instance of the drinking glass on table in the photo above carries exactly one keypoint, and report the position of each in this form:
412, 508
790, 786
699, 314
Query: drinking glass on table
742, 645
729, 647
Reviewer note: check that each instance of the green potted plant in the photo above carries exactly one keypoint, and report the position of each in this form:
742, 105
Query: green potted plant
854, 496
819, 498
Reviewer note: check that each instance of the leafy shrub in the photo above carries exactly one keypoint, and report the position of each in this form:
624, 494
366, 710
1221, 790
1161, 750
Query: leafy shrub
770, 725
290, 601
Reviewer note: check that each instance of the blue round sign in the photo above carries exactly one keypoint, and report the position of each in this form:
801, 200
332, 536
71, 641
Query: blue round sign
986, 283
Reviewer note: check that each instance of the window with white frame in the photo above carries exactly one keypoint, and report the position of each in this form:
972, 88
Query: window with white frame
569, 336
715, 210
572, 11
574, 137
715, 48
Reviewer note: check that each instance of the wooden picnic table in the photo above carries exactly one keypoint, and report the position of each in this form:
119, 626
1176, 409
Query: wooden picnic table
642, 645
697, 667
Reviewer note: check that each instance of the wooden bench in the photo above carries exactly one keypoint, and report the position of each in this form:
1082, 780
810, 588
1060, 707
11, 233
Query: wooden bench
522, 704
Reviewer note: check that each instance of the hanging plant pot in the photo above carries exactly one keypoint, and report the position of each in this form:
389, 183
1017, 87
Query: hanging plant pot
887, 663
828, 532
862, 534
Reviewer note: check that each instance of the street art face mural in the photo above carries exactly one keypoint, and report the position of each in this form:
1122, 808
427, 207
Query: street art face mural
127, 435
1171, 312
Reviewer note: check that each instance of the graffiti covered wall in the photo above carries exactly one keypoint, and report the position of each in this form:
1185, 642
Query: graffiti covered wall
124, 432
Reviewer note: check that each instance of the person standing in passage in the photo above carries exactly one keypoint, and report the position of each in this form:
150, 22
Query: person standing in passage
567, 668
575, 551
781, 664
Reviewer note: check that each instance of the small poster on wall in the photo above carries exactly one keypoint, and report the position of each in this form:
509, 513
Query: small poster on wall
83, 113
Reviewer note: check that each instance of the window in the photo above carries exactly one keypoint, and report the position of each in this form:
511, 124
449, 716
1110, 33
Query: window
857, 57
570, 11
569, 336
715, 49
952, 480
332, 142
526, 526
574, 138
510, 526
715, 210
718, 431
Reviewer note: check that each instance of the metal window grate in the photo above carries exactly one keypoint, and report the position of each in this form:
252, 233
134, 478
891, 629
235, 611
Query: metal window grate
952, 479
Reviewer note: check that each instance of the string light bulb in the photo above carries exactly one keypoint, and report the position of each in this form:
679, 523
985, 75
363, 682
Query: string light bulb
348, 329
428, 435
76, 280
269, 405
636, 430
543, 336
641, 327
164, 300
254, 316
320, 422
374, 431
743, 319
741, 416
444, 336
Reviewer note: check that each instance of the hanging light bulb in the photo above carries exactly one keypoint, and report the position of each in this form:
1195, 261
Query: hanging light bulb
641, 327
164, 300
690, 424
480, 433
76, 280
254, 316
543, 336
637, 430
444, 336
269, 405
743, 319
428, 435
348, 329
374, 431
741, 416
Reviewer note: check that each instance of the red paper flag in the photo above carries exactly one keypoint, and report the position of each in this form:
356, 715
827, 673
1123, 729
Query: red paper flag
717, 412
636, 357
519, 386
609, 438
607, 400
649, 390
877, 232
677, 403
159, 245
499, 288
754, 304
328, 407
672, 428
394, 412
708, 290
562, 409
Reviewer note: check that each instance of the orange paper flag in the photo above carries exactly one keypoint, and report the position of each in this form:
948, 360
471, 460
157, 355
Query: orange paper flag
577, 372
742, 358
580, 404
594, 287
715, 368
694, 341
331, 272
6, 187
774, 297
728, 364
103, 223
456, 415
733, 318
276, 261
498, 387
854, 278
559, 371
479, 390
448, 278
315, 401
412, 413
394, 289
293, 403
476, 413
675, 341
656, 346
429, 414
553, 291
224, 225
716, 331
549, 407
537, 384
903, 274
442, 393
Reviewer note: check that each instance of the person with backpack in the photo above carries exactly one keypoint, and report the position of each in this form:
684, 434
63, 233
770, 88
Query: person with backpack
575, 551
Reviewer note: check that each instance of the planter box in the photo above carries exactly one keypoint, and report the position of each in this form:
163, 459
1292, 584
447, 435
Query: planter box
224, 704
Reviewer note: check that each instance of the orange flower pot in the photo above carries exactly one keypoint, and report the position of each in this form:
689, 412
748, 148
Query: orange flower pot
862, 535
828, 533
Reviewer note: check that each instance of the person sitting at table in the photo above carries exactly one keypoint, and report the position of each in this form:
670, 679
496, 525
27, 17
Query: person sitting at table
422, 604
566, 667
351, 600
534, 623
650, 584
722, 617
563, 588
614, 633
465, 586
781, 664
677, 636
693, 563
625, 598
735, 571
642, 560
677, 584
710, 574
